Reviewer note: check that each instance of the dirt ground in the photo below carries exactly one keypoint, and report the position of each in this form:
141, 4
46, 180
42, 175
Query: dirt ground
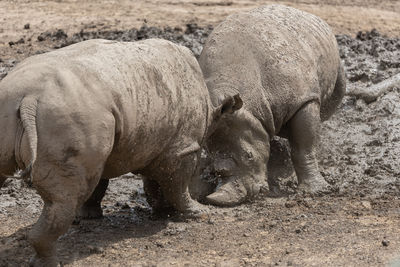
357, 224
345, 16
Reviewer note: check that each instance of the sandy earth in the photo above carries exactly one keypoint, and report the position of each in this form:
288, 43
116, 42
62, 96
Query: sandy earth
358, 224
345, 16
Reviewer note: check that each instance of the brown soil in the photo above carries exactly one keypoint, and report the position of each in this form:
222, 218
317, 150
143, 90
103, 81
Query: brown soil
357, 224
345, 16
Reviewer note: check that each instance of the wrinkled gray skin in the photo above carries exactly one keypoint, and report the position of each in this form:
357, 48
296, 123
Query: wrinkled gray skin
75, 117
286, 67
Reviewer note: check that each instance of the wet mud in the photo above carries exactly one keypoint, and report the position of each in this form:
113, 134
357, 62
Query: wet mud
357, 223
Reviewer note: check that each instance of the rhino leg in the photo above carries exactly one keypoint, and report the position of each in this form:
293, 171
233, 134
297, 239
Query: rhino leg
91, 209
175, 188
62, 192
154, 195
304, 136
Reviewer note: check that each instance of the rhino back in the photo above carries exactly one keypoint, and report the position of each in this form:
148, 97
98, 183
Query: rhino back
276, 57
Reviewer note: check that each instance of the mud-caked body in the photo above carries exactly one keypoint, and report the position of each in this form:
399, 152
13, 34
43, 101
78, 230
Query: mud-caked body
77, 116
285, 65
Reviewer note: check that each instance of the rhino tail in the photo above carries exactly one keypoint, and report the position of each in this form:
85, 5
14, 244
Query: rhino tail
28, 112
330, 105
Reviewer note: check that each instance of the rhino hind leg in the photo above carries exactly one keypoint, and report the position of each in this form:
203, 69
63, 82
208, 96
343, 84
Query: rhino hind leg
62, 193
304, 136
91, 209
54, 221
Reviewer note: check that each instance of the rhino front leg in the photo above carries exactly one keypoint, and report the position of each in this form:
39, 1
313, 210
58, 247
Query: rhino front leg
304, 136
154, 195
175, 188
91, 209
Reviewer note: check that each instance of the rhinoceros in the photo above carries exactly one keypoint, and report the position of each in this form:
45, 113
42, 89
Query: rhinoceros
75, 117
285, 65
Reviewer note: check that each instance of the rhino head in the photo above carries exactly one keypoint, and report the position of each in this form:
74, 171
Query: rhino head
239, 149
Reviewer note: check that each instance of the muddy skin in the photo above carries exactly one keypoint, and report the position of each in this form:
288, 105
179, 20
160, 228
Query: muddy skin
148, 114
290, 78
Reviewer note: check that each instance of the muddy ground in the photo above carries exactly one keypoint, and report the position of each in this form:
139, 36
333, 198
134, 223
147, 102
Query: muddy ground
358, 223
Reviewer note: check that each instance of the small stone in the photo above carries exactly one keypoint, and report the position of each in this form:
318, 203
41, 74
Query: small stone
298, 231
290, 204
385, 243
272, 225
366, 204
27, 26
160, 245
125, 206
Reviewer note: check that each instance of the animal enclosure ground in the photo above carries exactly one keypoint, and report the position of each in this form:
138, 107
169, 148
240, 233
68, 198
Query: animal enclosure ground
357, 224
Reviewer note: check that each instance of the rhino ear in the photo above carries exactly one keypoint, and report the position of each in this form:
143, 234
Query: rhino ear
230, 104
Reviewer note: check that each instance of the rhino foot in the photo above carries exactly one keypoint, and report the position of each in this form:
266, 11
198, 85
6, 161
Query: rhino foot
317, 186
275, 192
90, 212
196, 210
230, 194
44, 262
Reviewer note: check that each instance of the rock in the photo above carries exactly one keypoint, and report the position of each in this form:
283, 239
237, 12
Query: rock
27, 26
366, 204
125, 206
290, 204
95, 249
385, 243
40, 38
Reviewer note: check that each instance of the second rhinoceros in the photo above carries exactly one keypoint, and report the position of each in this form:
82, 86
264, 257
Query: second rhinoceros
95, 110
285, 65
